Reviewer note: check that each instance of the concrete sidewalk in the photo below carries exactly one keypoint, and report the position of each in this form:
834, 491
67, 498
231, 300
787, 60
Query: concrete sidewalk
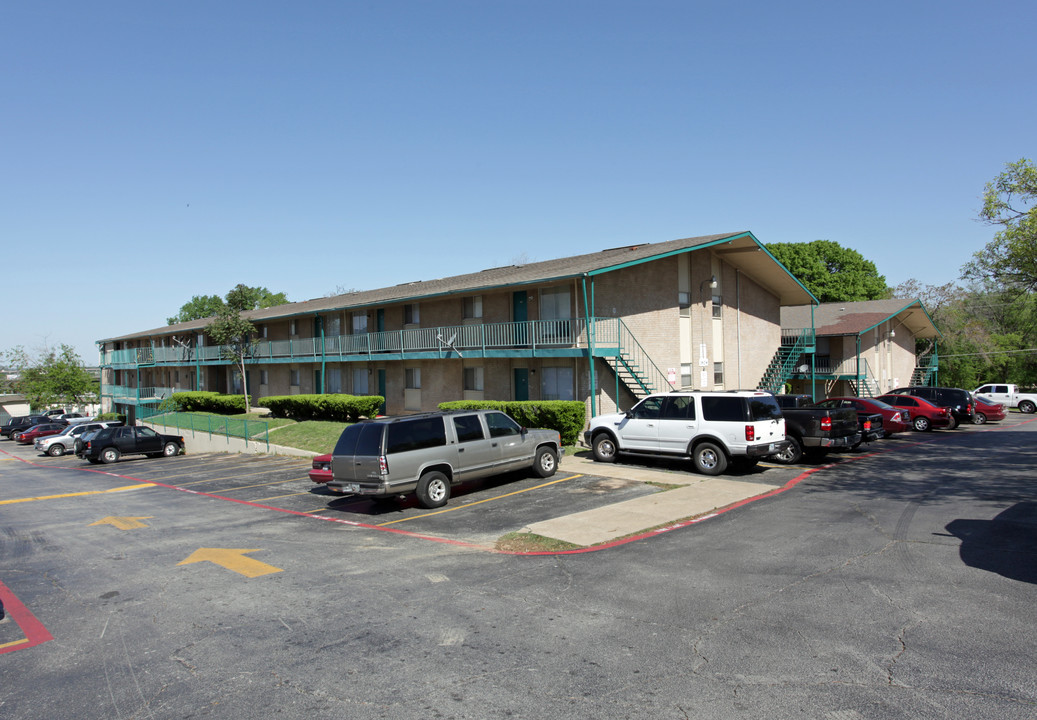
699, 495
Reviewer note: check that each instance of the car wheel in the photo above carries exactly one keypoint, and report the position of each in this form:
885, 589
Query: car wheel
92, 461
433, 490
1027, 406
56, 450
954, 423
604, 448
546, 462
979, 419
790, 455
109, 455
922, 424
709, 459
170, 449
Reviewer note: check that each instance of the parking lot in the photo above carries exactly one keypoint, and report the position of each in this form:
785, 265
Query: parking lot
481, 512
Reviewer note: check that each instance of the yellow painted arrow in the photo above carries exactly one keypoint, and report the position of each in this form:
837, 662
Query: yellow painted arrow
123, 523
232, 559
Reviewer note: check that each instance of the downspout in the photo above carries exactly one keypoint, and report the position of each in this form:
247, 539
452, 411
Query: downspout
813, 355
738, 321
858, 364
590, 342
323, 357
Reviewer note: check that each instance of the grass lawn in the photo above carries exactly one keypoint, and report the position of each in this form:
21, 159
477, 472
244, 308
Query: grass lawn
317, 436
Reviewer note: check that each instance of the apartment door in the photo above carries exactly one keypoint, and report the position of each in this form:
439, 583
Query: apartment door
522, 384
519, 315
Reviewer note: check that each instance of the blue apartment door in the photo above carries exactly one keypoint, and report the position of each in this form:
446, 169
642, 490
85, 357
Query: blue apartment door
522, 384
519, 315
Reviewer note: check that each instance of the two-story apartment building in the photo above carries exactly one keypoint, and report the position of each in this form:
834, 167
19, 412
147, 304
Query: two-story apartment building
605, 327
861, 348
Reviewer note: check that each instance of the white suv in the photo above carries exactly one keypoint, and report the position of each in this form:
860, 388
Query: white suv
65, 441
712, 428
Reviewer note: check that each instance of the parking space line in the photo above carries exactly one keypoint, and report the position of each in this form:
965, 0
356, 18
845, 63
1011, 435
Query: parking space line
77, 494
478, 502
276, 497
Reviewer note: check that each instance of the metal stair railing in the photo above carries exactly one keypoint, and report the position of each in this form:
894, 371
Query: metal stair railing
631, 362
794, 343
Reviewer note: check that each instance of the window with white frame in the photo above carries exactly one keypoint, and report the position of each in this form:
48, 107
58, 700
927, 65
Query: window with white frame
473, 378
334, 326
412, 378
473, 307
686, 378
333, 382
717, 305
359, 323
684, 303
411, 316
554, 304
718, 373
556, 383
360, 381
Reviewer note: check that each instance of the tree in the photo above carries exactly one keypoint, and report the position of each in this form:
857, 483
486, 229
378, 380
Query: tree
830, 271
52, 377
1010, 259
234, 333
200, 307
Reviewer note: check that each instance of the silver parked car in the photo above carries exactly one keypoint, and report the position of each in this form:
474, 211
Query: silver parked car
65, 441
429, 453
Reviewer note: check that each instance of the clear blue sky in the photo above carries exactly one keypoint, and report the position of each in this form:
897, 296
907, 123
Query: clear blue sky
156, 151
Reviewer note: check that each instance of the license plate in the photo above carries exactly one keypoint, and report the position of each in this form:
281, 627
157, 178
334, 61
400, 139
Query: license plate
352, 488
773, 447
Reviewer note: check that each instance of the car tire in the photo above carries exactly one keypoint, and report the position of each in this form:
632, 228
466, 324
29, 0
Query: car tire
433, 490
170, 449
709, 458
790, 455
93, 461
546, 462
954, 423
921, 423
109, 455
56, 450
979, 419
1027, 407
604, 448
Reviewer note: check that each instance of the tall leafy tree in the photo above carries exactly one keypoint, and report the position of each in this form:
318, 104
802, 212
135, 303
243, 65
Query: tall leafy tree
830, 271
52, 377
200, 307
1010, 202
235, 334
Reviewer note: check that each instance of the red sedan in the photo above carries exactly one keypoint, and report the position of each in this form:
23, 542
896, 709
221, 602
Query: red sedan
320, 469
984, 411
28, 437
894, 420
924, 415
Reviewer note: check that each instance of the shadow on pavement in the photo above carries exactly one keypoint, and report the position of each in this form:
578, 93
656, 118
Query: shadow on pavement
1006, 545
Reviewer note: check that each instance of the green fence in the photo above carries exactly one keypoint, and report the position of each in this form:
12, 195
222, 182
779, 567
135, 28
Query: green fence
218, 425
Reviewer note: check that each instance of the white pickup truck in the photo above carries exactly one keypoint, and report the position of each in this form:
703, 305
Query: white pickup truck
1009, 395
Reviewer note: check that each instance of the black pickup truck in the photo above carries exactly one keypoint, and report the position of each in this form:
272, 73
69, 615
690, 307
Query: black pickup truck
815, 431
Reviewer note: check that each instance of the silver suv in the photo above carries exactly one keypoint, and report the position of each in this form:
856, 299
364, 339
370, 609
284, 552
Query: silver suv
65, 441
429, 453
712, 428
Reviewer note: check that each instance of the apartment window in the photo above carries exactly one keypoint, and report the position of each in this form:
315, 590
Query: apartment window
333, 382
554, 304
200, 341
411, 316
359, 323
333, 328
473, 307
292, 329
718, 373
262, 331
717, 305
473, 378
412, 378
294, 378
556, 383
264, 377
686, 379
360, 384
684, 303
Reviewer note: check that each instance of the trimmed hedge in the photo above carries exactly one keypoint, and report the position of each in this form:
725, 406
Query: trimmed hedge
568, 417
204, 401
340, 408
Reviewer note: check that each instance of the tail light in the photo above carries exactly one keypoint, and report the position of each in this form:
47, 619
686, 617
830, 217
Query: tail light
750, 433
826, 424
383, 465
867, 424
968, 408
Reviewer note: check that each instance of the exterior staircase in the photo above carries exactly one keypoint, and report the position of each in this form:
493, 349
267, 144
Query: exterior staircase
635, 368
925, 369
794, 343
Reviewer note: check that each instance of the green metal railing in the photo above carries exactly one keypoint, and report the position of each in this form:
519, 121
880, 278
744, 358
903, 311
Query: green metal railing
794, 343
214, 425
628, 359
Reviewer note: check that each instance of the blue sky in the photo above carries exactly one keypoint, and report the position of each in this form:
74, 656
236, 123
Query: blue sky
156, 151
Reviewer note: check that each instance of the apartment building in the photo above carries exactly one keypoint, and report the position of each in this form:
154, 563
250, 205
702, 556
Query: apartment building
605, 328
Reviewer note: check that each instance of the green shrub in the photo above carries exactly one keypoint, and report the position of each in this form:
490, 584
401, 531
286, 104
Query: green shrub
334, 407
111, 416
568, 417
202, 401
